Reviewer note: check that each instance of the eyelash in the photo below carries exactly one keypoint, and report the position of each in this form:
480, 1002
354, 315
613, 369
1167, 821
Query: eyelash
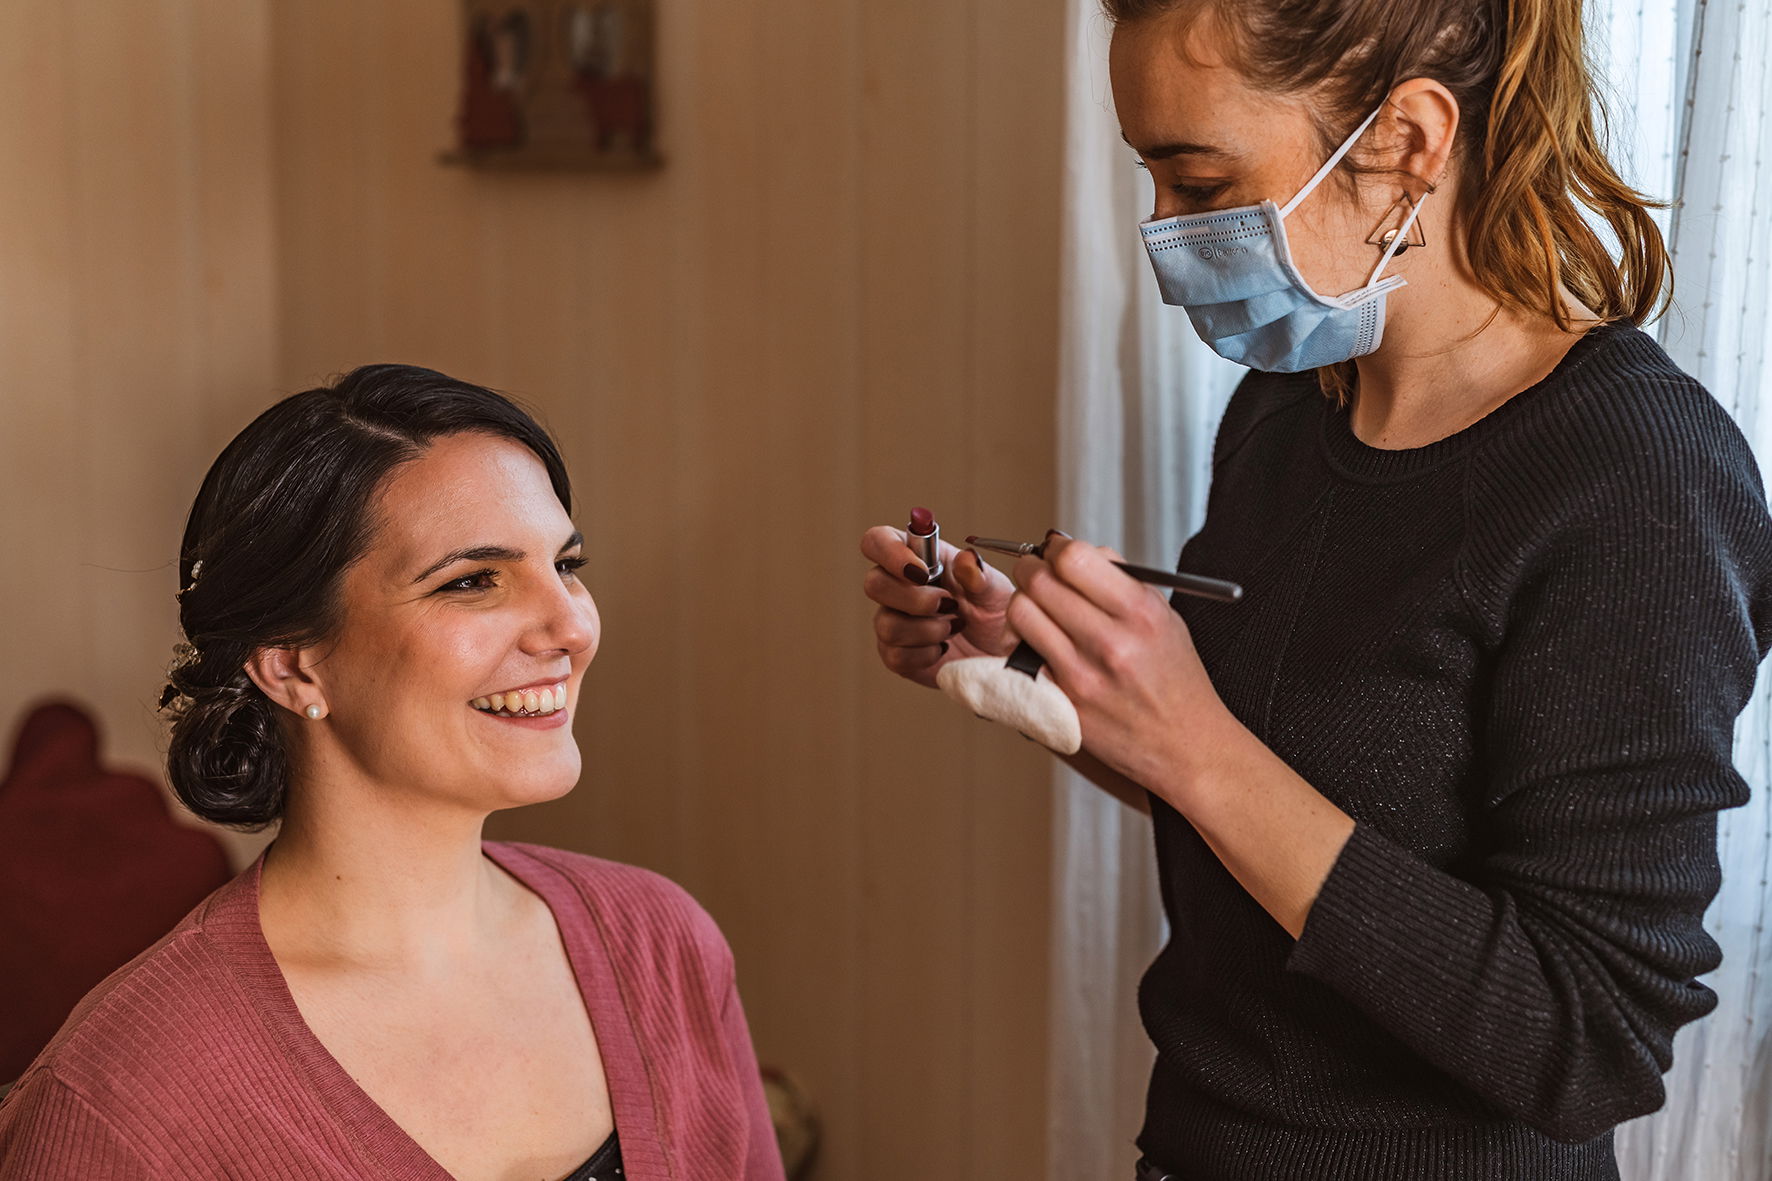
572, 566
1191, 192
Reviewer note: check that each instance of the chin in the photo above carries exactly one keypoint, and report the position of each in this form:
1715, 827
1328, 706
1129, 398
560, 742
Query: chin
539, 786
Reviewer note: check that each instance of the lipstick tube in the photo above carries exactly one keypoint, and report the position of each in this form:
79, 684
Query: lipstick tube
923, 536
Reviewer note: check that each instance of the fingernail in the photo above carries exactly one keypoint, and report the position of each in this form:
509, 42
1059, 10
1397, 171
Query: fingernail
1051, 533
916, 574
955, 628
947, 606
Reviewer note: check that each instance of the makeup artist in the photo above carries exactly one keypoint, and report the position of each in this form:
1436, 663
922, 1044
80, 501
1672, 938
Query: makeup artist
1435, 804
387, 639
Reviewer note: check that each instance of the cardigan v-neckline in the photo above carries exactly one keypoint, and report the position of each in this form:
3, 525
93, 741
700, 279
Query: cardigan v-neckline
233, 923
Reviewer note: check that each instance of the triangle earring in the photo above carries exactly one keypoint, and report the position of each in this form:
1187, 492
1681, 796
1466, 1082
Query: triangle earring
1393, 219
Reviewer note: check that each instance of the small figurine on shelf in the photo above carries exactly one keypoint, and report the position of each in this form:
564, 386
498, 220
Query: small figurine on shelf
610, 74
488, 117
557, 84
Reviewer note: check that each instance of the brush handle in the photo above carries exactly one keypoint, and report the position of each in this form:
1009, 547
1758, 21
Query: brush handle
1191, 584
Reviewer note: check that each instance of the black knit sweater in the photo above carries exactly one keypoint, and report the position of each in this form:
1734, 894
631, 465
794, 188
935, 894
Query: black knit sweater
1515, 657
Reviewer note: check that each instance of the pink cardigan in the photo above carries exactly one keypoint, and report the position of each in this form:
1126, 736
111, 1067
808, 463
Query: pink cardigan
192, 1060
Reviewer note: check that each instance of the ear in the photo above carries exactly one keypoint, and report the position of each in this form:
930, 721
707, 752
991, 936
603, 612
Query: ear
1422, 117
285, 677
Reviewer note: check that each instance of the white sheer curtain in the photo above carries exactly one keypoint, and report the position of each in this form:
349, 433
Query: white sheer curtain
1139, 400
1694, 88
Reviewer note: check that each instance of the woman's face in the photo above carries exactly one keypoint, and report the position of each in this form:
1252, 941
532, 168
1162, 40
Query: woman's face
1211, 141
468, 590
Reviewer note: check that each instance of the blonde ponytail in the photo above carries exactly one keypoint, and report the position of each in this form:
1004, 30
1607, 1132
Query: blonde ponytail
1543, 159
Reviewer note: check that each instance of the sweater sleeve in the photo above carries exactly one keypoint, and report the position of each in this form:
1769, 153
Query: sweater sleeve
48, 1132
1549, 972
763, 1156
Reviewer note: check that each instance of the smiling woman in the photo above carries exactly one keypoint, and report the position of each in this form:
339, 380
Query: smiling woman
341, 524
386, 640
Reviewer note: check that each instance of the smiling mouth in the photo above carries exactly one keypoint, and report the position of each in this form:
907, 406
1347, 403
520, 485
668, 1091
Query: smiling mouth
523, 703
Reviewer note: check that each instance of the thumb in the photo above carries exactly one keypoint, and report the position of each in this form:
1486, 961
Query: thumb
988, 588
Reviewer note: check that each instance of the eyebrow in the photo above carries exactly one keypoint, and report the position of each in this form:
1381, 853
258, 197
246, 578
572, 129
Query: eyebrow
1168, 151
490, 553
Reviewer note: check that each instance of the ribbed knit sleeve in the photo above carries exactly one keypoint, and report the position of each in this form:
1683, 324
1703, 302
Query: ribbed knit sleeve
1549, 971
763, 1153
50, 1133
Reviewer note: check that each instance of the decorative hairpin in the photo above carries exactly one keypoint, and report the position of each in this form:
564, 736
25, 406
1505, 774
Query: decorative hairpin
196, 569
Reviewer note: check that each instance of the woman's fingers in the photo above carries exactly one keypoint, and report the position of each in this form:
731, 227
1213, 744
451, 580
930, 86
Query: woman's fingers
917, 626
1086, 617
1087, 627
885, 547
1090, 571
895, 629
1031, 624
983, 585
889, 590
914, 664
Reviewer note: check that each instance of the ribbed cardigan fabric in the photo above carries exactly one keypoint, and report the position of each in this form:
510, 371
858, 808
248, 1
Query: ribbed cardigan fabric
1514, 656
192, 1061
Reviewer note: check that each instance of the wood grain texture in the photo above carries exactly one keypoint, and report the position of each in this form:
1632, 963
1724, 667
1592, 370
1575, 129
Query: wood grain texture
137, 327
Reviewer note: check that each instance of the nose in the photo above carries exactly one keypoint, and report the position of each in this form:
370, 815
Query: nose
1166, 205
562, 620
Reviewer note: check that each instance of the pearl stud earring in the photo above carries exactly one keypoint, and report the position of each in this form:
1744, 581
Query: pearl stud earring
314, 711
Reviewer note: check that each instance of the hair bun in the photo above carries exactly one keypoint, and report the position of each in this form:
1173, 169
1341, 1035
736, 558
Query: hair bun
225, 758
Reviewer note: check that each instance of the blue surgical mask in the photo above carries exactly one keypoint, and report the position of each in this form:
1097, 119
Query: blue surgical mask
1233, 271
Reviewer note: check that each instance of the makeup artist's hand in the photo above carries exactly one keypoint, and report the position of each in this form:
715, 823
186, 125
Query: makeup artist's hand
1125, 659
919, 627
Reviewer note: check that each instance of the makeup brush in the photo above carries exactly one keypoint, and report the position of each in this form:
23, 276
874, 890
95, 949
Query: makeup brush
1189, 584
1014, 693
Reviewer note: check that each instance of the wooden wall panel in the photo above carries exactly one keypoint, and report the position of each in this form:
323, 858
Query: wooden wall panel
137, 313
1016, 109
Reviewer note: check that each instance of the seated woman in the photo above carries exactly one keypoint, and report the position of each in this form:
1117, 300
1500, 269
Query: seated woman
387, 638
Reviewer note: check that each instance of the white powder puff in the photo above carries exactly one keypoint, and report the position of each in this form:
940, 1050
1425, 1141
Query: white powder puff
1033, 705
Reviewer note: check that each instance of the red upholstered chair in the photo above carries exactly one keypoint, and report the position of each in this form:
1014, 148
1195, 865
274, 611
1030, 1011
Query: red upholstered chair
93, 869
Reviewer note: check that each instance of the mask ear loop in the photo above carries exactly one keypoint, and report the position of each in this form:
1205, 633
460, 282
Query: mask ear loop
1398, 242
1347, 145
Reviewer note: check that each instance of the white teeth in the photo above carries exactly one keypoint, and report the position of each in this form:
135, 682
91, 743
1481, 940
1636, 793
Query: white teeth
518, 702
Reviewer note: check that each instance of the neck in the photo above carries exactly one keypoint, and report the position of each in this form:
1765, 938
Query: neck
379, 881
1450, 355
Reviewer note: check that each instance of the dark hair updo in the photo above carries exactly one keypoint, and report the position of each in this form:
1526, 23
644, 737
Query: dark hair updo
284, 510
